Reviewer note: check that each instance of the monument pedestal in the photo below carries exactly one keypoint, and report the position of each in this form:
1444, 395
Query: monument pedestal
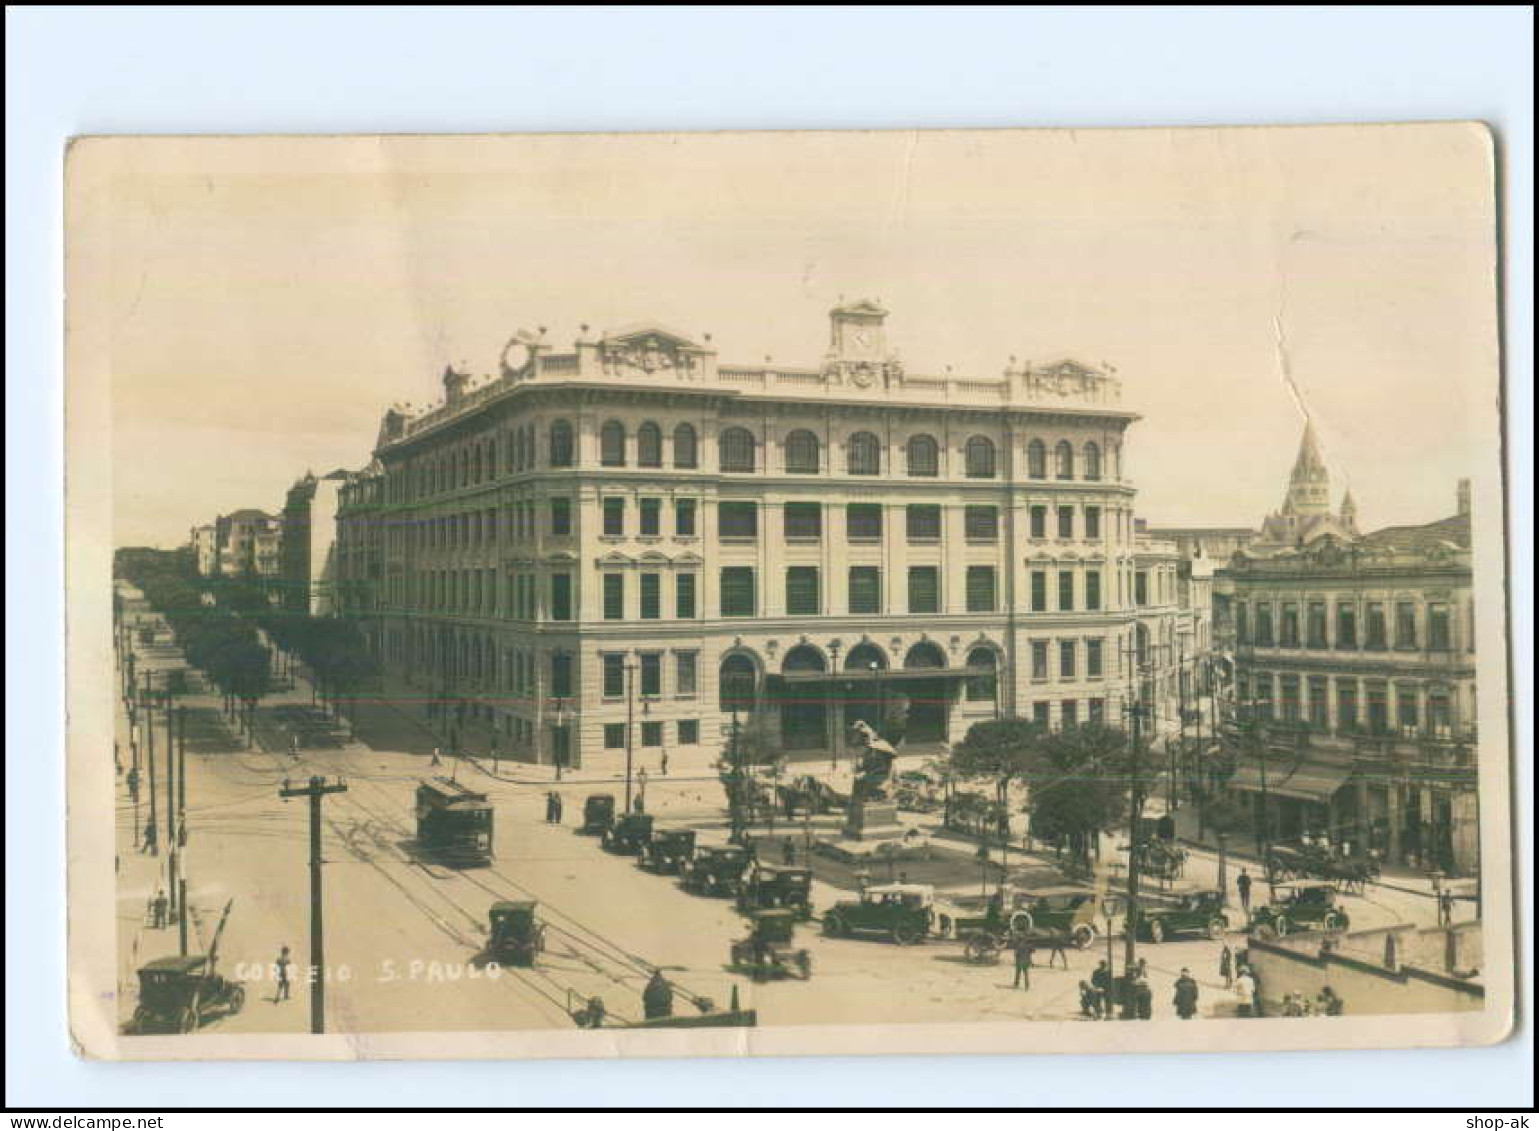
874, 820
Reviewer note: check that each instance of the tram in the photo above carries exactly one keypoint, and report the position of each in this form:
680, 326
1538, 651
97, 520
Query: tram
454, 822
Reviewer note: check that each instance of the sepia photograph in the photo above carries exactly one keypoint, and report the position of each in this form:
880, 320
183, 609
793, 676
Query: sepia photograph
828, 592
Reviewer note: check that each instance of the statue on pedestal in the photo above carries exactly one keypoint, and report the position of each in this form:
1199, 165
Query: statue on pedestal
874, 770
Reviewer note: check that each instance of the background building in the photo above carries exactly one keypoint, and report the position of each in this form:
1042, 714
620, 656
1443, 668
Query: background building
249, 542
308, 545
630, 540
205, 549
1359, 653
360, 553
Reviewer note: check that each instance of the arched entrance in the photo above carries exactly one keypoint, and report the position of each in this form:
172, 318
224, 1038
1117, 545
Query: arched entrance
738, 683
929, 700
803, 702
863, 700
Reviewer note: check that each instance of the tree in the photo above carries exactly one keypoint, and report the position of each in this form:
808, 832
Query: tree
1080, 783
1001, 751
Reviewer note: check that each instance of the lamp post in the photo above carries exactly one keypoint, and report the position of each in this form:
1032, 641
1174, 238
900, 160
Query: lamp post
559, 754
630, 714
834, 723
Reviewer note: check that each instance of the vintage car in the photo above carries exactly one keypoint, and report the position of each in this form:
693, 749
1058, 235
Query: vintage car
904, 913
598, 813
668, 850
769, 886
628, 834
180, 993
1069, 911
716, 869
767, 952
1194, 913
1300, 907
516, 934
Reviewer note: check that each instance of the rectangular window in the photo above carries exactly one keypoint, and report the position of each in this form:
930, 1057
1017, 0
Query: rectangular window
614, 517
1066, 522
651, 596
1039, 659
1346, 704
614, 736
1407, 714
1378, 708
689, 732
804, 520
684, 596
1066, 654
924, 522
685, 666
1039, 714
1140, 588
802, 591
1098, 711
737, 591
1065, 590
1093, 590
1039, 522
1264, 626
1092, 522
1439, 631
1316, 630
1039, 591
1346, 626
684, 517
1439, 714
1290, 698
1241, 623
1069, 715
651, 673
737, 520
923, 589
560, 596
561, 675
1319, 705
1289, 636
1405, 625
560, 517
865, 589
651, 517
981, 523
980, 589
651, 734
863, 522
614, 675
1375, 626
614, 596
1094, 665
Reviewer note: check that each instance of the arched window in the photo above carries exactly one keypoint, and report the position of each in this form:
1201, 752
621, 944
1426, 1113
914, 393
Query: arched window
685, 449
1064, 459
561, 444
865, 454
1036, 460
924, 655
923, 456
802, 453
863, 657
737, 450
649, 445
737, 683
982, 677
803, 658
980, 458
612, 444
1092, 461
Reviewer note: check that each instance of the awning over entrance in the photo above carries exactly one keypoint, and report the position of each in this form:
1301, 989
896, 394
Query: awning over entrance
1309, 781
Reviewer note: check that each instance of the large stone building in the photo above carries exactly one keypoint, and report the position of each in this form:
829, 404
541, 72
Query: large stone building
249, 542
205, 549
309, 537
360, 551
1359, 650
632, 532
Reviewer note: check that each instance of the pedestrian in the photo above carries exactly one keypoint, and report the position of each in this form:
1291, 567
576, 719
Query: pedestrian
787, 852
1023, 951
1143, 998
560, 807
1101, 980
150, 835
1226, 967
133, 784
1141, 969
664, 763
1445, 908
162, 908
294, 745
437, 757
1186, 995
550, 808
1243, 884
1089, 1002
1329, 1003
657, 997
1245, 993
281, 970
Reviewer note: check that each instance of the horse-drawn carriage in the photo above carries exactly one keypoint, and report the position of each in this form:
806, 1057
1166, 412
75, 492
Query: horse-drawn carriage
1160, 859
767, 952
1317, 862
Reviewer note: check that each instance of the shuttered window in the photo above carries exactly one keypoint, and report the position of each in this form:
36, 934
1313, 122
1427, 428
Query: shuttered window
923, 589
614, 596
684, 596
802, 591
864, 522
865, 589
737, 591
651, 596
737, 520
923, 522
982, 523
980, 589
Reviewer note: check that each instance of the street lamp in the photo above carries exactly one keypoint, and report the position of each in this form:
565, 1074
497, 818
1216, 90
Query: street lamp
630, 713
560, 737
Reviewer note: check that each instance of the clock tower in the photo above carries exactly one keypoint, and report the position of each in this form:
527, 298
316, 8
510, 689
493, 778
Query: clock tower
858, 353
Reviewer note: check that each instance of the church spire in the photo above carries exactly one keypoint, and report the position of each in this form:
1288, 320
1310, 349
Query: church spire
1309, 488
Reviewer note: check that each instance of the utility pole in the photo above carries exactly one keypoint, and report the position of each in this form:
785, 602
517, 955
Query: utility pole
630, 714
1135, 830
171, 845
148, 714
315, 790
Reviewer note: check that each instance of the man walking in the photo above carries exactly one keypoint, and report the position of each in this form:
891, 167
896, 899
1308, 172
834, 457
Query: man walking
1243, 884
1023, 952
1226, 967
1186, 995
437, 758
1101, 980
560, 806
1245, 993
1445, 908
281, 968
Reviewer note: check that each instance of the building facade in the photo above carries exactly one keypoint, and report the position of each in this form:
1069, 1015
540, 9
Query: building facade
360, 553
631, 543
1359, 655
308, 543
205, 550
249, 542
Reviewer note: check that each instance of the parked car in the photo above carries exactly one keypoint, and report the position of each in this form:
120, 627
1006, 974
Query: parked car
904, 913
776, 886
1194, 913
598, 813
180, 993
628, 834
1300, 907
716, 869
1060, 911
669, 850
